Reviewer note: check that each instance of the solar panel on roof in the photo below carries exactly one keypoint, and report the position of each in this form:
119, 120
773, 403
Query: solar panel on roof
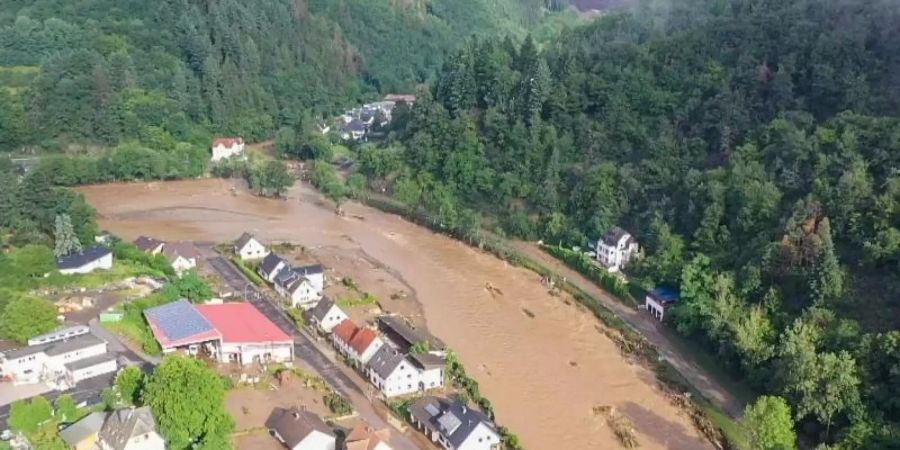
179, 320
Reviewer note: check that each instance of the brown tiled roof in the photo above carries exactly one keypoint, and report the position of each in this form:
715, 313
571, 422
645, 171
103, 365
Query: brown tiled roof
185, 249
345, 330
364, 437
362, 339
228, 142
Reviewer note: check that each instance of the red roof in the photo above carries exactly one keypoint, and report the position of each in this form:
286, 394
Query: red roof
228, 142
242, 323
362, 340
345, 330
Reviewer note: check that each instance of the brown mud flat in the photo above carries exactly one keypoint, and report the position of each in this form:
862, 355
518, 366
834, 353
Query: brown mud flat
523, 364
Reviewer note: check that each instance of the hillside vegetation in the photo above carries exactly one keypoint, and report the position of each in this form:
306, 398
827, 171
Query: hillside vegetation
170, 71
752, 147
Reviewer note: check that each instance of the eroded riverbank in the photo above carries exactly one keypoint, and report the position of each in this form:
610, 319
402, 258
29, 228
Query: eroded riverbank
541, 361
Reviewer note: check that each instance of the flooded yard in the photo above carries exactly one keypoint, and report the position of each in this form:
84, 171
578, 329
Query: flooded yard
542, 362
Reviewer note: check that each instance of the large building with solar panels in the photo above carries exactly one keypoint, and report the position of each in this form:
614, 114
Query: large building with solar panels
229, 332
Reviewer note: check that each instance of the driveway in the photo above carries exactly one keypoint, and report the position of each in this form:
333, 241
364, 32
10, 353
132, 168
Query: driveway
341, 378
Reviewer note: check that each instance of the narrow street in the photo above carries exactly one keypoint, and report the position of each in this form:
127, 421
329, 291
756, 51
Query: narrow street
341, 378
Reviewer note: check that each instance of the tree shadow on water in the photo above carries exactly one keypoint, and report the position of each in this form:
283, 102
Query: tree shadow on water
650, 425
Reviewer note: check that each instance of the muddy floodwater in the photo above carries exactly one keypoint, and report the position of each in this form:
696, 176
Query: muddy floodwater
542, 362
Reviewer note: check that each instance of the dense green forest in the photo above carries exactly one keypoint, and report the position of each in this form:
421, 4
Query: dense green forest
752, 147
171, 71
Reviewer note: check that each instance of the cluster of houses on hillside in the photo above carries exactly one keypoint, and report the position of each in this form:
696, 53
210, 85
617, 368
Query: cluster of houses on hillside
60, 359
122, 429
358, 124
303, 286
182, 255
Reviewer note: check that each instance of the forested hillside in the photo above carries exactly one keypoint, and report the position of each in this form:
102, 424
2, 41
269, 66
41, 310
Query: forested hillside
170, 71
752, 147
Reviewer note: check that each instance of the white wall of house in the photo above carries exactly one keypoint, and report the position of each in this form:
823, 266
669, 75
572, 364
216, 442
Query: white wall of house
93, 371
368, 353
615, 257
104, 263
182, 264
481, 438
220, 152
305, 296
246, 353
318, 282
252, 250
25, 370
334, 316
431, 378
655, 308
149, 441
403, 380
317, 440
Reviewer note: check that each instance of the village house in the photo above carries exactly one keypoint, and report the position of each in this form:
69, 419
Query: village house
616, 248
404, 336
364, 344
131, 429
83, 434
299, 429
227, 332
342, 334
59, 363
364, 437
123, 429
248, 248
224, 148
397, 98
394, 373
354, 130
60, 335
182, 256
659, 300
89, 260
302, 285
270, 267
453, 425
326, 315
149, 245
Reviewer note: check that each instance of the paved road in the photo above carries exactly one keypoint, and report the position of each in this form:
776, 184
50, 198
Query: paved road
711, 388
341, 378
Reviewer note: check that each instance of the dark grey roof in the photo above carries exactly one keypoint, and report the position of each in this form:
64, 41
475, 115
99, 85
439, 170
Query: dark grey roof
449, 417
124, 424
83, 429
398, 330
92, 361
89, 254
355, 125
315, 269
269, 263
614, 235
322, 308
242, 241
145, 243
56, 348
427, 360
294, 425
386, 360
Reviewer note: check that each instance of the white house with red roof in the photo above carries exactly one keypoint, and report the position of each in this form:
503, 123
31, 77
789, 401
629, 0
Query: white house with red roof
364, 344
227, 332
247, 335
224, 148
342, 334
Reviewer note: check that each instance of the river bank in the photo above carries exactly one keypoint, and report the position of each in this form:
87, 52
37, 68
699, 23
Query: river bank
543, 361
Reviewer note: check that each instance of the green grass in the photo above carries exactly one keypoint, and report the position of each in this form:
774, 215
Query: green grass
137, 333
121, 270
363, 300
248, 272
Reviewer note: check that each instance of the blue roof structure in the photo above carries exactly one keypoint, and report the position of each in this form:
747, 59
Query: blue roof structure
665, 294
177, 320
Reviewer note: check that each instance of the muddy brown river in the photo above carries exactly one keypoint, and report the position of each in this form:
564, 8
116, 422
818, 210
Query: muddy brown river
543, 364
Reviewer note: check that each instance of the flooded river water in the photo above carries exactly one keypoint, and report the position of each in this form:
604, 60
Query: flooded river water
542, 363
